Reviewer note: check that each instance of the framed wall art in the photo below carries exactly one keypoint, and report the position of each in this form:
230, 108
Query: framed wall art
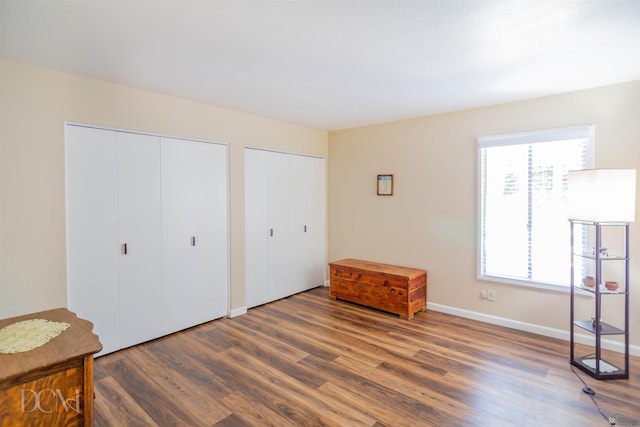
385, 185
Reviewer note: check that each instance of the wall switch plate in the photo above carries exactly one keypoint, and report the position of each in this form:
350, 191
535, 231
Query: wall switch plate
491, 295
483, 294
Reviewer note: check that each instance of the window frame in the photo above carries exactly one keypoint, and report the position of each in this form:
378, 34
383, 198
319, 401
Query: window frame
526, 138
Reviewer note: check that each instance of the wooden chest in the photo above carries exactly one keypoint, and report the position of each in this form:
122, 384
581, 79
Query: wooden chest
398, 290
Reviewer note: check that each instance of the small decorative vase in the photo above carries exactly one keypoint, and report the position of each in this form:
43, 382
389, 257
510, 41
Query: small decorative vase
610, 285
589, 281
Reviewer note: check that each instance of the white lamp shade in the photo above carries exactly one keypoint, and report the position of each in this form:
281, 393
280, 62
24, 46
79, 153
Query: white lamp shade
602, 195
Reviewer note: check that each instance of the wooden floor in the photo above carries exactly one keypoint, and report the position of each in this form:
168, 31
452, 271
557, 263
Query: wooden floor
310, 361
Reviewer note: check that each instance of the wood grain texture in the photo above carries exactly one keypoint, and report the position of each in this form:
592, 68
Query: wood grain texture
311, 361
76, 342
398, 290
50, 385
53, 400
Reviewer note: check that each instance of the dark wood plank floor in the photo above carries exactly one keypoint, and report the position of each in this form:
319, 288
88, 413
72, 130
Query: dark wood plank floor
310, 361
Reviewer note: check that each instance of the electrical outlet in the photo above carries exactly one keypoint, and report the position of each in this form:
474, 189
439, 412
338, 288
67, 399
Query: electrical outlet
491, 295
483, 294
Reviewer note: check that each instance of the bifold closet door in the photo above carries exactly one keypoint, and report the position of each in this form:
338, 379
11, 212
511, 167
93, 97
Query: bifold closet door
307, 225
113, 233
316, 215
278, 210
140, 238
256, 202
93, 250
212, 211
267, 266
284, 224
194, 230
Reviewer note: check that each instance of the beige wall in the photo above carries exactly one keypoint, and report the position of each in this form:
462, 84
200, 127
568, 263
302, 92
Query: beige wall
34, 104
431, 221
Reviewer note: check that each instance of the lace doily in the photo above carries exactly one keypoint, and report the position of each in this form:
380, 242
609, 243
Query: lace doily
29, 334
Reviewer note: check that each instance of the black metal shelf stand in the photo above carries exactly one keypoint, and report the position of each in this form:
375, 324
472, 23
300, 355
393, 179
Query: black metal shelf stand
595, 365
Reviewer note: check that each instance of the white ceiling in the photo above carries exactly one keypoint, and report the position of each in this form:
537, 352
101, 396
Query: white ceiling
333, 64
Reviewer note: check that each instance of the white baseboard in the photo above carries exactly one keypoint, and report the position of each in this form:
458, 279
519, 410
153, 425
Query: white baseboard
531, 327
237, 312
326, 283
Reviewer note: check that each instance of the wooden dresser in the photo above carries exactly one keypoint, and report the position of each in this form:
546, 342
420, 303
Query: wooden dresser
398, 290
51, 385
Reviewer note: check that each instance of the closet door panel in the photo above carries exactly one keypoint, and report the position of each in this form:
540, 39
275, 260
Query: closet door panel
299, 226
256, 169
316, 217
92, 230
139, 218
195, 258
179, 227
211, 243
307, 214
278, 219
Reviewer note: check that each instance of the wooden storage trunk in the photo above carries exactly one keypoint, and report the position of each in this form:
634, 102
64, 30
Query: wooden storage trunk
398, 290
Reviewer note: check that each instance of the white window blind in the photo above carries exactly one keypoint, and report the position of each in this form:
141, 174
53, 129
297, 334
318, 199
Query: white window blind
524, 234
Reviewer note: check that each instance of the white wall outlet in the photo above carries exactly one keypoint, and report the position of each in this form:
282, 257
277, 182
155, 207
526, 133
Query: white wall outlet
483, 294
491, 295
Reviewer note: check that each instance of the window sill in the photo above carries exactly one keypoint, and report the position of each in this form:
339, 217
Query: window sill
535, 285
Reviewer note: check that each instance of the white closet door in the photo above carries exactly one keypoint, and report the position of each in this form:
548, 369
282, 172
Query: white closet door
194, 185
299, 226
212, 244
139, 218
278, 221
307, 229
256, 169
284, 224
92, 230
316, 217
179, 227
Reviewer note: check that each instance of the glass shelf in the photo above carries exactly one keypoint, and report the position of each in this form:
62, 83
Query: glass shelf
602, 258
587, 363
602, 290
605, 328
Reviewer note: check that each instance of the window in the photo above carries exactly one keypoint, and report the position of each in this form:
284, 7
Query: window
524, 234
